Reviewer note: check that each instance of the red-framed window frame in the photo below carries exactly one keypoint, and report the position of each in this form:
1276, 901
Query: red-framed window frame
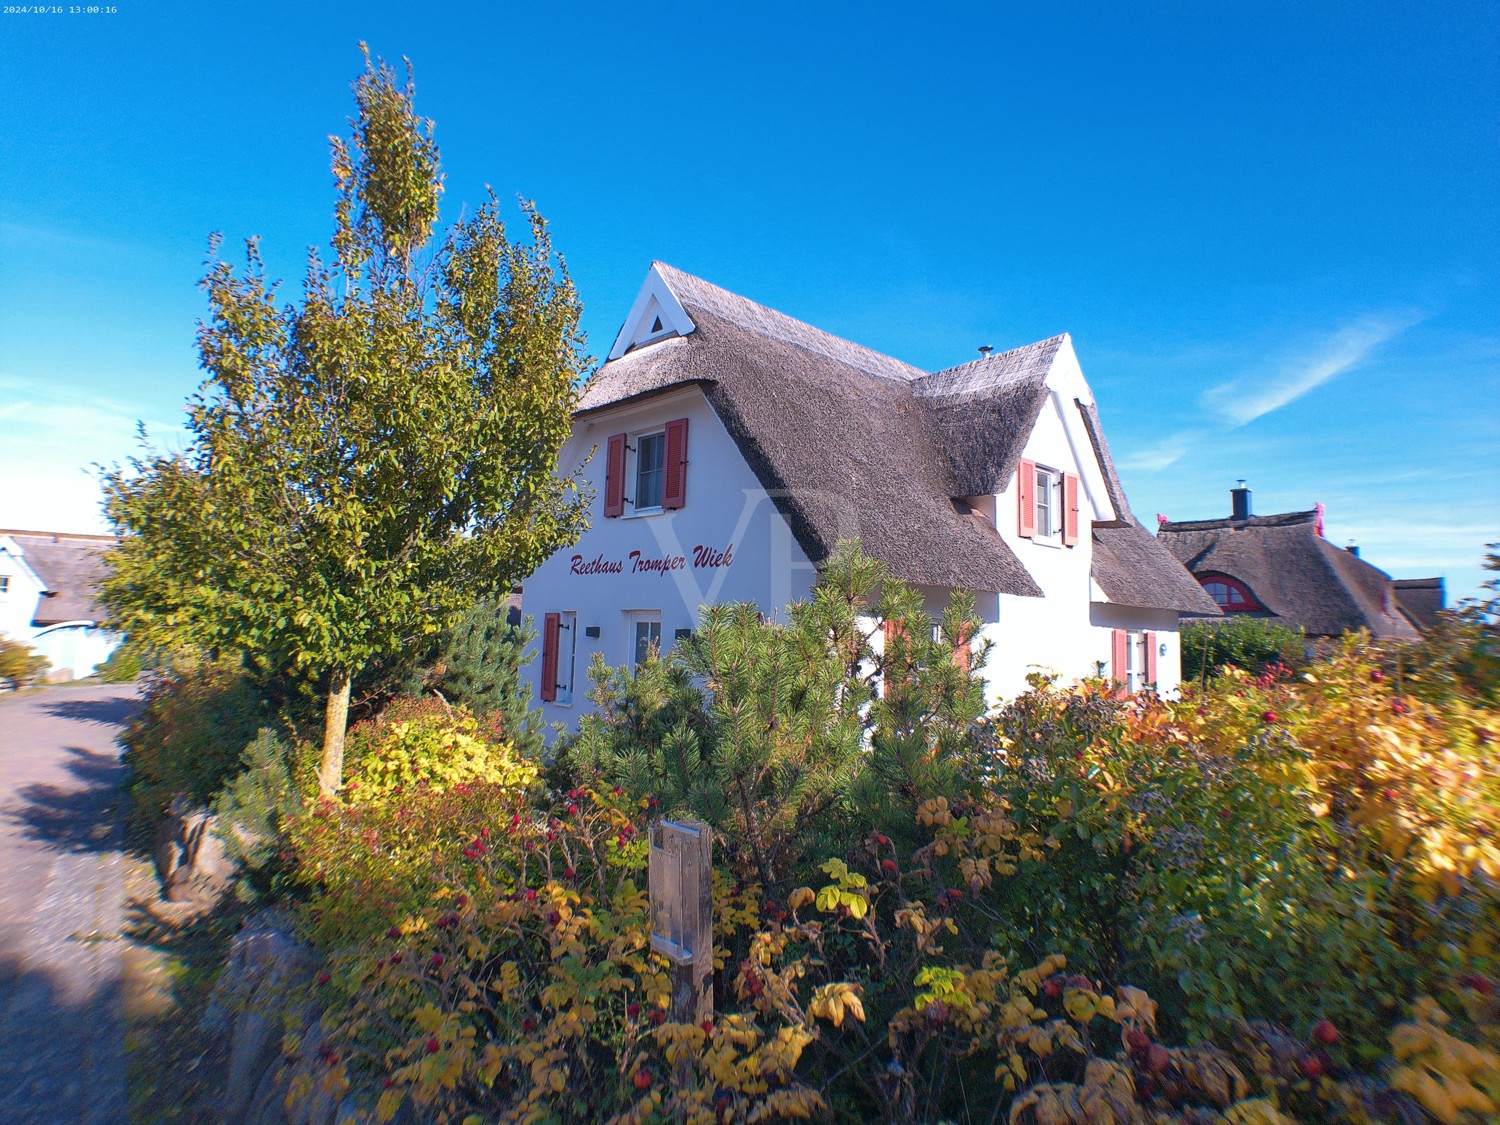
1247, 602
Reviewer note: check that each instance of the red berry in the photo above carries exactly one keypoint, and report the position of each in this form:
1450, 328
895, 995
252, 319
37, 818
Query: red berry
437, 961
393, 933
632, 1010
1268, 717
528, 1025
433, 1044
388, 1083
572, 810
1158, 1058
642, 1079
569, 873
1480, 984
881, 840
653, 802
322, 978
657, 1016
530, 894
707, 1026
1311, 1065
1399, 706
888, 866
1325, 1033
574, 794
1052, 988
553, 918
1137, 1041
1377, 675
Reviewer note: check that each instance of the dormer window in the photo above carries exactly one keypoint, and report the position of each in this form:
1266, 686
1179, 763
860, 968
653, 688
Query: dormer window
1229, 593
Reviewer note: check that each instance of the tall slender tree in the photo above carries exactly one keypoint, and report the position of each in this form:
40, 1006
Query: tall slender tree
365, 462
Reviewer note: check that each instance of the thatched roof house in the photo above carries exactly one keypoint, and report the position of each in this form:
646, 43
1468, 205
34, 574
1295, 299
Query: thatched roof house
731, 448
1281, 567
49, 585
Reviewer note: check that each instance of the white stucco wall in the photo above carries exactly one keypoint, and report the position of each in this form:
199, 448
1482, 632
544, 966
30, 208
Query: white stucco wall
18, 603
726, 509
1068, 631
74, 649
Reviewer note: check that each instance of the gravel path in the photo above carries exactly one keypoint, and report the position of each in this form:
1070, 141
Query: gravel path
62, 1041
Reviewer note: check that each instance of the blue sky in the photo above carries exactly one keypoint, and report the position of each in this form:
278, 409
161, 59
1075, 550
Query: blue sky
1272, 230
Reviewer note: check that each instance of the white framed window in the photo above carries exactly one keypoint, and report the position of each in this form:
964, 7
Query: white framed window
4, 585
1048, 492
644, 634
650, 470
567, 657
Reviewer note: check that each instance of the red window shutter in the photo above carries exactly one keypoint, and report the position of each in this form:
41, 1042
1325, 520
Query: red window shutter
614, 477
1026, 498
1151, 658
891, 629
1119, 659
550, 625
1070, 509
962, 654
674, 484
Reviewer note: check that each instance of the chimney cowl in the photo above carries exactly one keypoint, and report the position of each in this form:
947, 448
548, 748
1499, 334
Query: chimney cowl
1352, 547
1239, 499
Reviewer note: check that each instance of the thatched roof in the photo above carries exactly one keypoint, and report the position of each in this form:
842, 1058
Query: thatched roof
1298, 576
842, 450
851, 442
1419, 600
984, 411
1134, 569
70, 568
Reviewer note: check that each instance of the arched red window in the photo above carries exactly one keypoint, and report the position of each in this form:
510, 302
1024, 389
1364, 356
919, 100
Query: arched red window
1230, 593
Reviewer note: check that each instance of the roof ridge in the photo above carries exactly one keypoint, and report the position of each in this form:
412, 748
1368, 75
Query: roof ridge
1279, 519
760, 318
93, 536
1054, 341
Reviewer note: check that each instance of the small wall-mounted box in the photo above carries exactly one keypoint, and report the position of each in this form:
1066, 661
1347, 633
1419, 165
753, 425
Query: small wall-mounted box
591, 631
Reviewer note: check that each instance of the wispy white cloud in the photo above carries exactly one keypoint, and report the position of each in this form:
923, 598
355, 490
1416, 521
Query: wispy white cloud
1157, 457
1250, 397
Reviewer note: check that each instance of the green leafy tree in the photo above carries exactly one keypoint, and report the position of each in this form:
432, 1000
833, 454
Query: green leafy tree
365, 462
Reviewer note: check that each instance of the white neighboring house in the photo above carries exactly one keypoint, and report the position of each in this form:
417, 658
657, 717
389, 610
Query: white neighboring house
734, 447
47, 598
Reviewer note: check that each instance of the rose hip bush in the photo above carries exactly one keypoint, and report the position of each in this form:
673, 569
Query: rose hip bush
430, 743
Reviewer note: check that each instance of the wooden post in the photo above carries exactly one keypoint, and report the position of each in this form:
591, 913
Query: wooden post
682, 922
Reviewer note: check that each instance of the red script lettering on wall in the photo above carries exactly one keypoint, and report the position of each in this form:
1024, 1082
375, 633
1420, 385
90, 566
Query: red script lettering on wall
704, 558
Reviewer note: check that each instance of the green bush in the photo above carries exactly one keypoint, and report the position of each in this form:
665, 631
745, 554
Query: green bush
257, 807
431, 744
1238, 640
18, 663
124, 665
187, 736
785, 737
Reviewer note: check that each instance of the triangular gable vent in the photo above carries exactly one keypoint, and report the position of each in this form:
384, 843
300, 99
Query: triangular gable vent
656, 315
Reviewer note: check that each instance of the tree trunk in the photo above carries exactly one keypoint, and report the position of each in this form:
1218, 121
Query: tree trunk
335, 719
